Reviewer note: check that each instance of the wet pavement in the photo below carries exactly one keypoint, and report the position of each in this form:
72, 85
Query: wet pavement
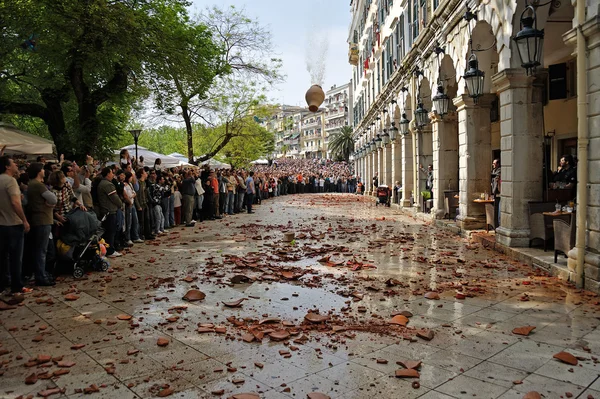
352, 264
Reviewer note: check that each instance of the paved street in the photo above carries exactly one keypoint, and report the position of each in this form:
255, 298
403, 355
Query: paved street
382, 288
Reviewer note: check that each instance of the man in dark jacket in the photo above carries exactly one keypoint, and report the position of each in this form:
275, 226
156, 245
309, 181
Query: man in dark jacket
108, 204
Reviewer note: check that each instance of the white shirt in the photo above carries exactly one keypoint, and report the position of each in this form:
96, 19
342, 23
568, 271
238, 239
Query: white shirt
177, 199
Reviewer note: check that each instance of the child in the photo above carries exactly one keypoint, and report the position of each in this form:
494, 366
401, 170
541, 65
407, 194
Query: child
177, 205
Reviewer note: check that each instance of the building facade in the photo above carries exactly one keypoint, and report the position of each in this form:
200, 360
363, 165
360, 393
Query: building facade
445, 83
338, 106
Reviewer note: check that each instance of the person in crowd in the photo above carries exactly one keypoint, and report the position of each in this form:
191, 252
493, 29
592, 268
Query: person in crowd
177, 201
66, 199
397, 191
41, 203
222, 179
108, 204
155, 194
188, 190
231, 189
140, 163
13, 227
166, 187
214, 183
158, 165
85, 186
565, 176
250, 191
125, 159
241, 190
375, 182
142, 205
429, 179
131, 223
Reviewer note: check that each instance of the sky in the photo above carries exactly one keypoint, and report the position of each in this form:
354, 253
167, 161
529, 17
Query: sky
298, 27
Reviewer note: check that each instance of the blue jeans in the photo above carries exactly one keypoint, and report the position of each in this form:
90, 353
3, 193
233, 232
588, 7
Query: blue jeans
164, 205
40, 236
241, 201
11, 256
159, 220
131, 224
171, 218
230, 201
249, 201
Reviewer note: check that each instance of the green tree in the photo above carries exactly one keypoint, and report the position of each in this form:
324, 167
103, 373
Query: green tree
341, 144
80, 65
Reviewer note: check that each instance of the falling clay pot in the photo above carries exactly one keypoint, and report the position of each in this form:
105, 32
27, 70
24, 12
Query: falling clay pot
314, 97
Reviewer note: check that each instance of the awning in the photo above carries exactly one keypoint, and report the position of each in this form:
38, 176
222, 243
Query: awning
19, 142
151, 156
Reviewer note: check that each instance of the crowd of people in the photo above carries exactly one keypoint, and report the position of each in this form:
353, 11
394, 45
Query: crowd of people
134, 201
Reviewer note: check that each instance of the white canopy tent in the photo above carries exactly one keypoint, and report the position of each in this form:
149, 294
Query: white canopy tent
260, 162
151, 156
17, 141
214, 164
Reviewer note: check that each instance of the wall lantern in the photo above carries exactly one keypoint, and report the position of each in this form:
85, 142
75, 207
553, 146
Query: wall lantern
378, 141
421, 115
393, 132
529, 40
441, 101
385, 137
373, 145
474, 78
404, 125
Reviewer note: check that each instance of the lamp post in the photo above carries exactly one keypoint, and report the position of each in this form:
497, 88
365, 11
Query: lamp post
385, 138
529, 40
421, 115
136, 133
393, 132
474, 78
441, 101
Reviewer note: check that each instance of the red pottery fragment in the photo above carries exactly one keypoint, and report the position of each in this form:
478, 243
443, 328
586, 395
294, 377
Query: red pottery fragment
566, 357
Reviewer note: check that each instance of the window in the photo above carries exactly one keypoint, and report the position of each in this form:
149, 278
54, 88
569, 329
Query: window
436, 3
415, 20
400, 41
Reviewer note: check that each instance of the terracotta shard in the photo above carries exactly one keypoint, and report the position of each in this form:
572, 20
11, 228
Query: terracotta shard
77, 346
194, 295
124, 317
162, 341
234, 304
382, 361
239, 279
410, 364
31, 379
532, 395
203, 330
279, 335
270, 320
43, 359
317, 395
218, 392
49, 392
525, 330
165, 392
259, 365
407, 373
248, 337
566, 357
131, 352
432, 295
65, 363
426, 334
315, 317
245, 396
399, 320
91, 389
71, 297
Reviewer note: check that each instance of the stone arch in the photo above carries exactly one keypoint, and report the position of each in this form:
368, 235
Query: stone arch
447, 75
499, 14
424, 92
484, 46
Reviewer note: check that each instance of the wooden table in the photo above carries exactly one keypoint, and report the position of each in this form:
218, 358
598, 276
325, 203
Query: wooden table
490, 213
483, 201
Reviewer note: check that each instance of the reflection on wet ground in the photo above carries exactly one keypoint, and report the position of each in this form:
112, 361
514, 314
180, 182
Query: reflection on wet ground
110, 331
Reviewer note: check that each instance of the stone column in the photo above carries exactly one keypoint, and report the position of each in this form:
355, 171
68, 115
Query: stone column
424, 157
445, 159
375, 170
388, 165
367, 178
381, 165
521, 139
396, 161
407, 169
591, 30
475, 157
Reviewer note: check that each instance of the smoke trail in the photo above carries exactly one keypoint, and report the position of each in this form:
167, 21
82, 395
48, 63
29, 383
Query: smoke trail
317, 48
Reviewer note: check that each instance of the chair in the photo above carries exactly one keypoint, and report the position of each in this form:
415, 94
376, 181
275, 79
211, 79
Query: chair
450, 204
427, 203
564, 236
490, 217
539, 229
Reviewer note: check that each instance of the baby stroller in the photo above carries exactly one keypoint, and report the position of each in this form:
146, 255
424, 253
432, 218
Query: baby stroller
80, 243
383, 195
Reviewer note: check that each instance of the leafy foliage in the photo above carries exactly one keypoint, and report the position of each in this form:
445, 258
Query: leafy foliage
341, 144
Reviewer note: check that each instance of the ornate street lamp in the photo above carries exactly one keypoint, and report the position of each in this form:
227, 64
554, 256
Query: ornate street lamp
421, 115
404, 122
378, 141
441, 101
393, 132
136, 133
474, 78
529, 40
373, 145
385, 138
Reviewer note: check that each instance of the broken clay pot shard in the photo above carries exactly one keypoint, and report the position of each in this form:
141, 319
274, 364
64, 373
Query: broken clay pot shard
407, 373
317, 395
532, 395
399, 320
194, 295
525, 330
566, 357
315, 317
234, 304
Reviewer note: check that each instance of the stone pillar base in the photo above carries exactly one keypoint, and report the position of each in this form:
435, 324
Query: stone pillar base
471, 222
438, 213
405, 203
512, 237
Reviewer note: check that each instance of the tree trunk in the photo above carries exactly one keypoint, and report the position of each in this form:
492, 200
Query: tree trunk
190, 133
